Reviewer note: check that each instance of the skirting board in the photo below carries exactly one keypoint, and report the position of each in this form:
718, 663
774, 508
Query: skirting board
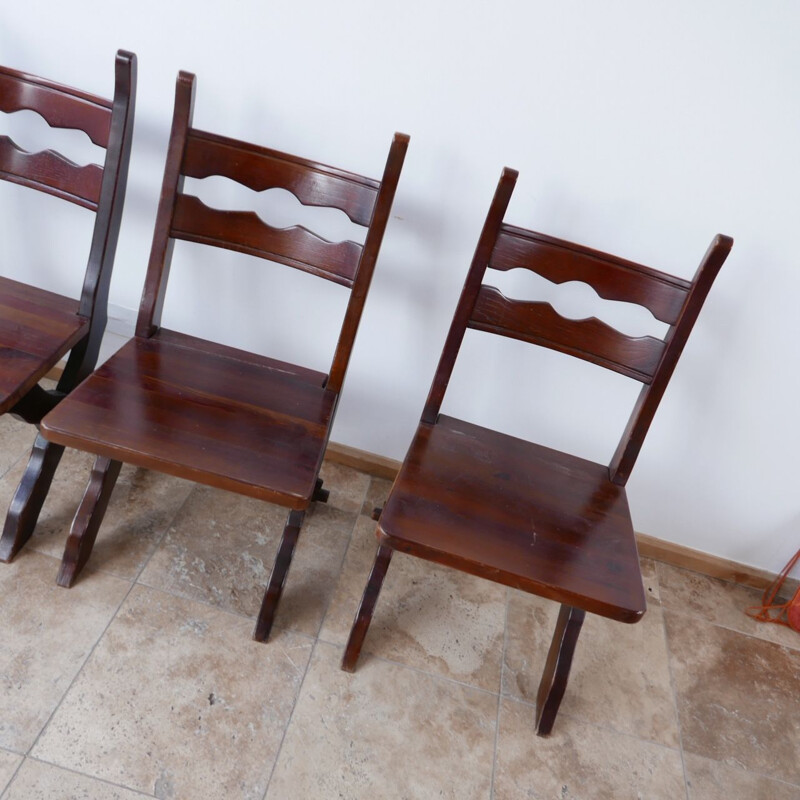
676, 554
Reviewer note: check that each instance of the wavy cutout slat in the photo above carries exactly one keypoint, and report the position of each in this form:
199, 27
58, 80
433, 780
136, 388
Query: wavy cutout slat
51, 172
612, 278
246, 232
59, 106
589, 339
259, 168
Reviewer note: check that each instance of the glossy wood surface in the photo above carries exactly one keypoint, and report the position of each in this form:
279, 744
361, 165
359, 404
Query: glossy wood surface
255, 426
204, 411
517, 513
37, 328
512, 511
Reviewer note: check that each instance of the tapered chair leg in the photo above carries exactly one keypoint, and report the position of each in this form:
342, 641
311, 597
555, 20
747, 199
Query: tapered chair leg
272, 596
556, 670
87, 520
29, 497
364, 615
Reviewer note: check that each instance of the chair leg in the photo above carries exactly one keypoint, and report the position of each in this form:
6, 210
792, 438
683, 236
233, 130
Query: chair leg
272, 595
87, 520
364, 615
320, 495
29, 497
556, 670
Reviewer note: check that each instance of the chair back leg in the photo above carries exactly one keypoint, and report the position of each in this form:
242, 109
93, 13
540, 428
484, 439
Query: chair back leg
364, 615
556, 669
87, 520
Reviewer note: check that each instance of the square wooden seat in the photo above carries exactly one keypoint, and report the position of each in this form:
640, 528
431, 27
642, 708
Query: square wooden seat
209, 413
37, 328
513, 511
559, 527
199, 409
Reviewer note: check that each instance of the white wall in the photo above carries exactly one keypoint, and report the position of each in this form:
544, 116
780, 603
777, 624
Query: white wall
640, 128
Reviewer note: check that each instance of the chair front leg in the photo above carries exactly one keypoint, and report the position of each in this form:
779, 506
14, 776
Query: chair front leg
272, 595
87, 520
364, 615
556, 670
28, 500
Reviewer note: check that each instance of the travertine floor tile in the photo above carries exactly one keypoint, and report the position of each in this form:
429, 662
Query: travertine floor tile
347, 486
620, 675
8, 763
16, 440
710, 780
720, 602
652, 588
430, 617
377, 493
579, 761
39, 781
47, 634
737, 697
221, 548
141, 507
385, 731
178, 702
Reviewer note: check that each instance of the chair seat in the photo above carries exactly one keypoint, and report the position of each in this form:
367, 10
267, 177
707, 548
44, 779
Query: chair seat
37, 328
519, 514
205, 412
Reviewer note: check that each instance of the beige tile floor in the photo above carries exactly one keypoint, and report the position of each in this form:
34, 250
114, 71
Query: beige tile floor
142, 680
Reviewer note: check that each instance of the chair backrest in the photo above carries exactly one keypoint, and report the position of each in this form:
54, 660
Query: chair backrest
109, 124
197, 154
650, 360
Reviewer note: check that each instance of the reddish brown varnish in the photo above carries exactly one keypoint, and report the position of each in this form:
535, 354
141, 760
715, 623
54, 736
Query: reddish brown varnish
515, 512
207, 412
38, 327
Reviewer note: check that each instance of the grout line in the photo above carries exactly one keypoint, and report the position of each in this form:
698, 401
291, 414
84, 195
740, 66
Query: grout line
672, 686
290, 717
596, 725
13, 776
85, 662
500, 693
90, 777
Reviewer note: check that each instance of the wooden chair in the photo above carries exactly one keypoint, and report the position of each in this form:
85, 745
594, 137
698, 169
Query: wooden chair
207, 412
517, 513
38, 327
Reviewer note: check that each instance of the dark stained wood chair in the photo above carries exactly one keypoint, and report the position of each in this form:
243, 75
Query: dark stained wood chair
517, 513
204, 411
38, 327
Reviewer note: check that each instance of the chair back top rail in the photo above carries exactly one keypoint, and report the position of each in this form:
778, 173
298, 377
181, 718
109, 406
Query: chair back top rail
647, 359
61, 107
109, 124
199, 154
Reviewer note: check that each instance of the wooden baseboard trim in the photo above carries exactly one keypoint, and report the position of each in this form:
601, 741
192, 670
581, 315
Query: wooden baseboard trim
379, 466
677, 555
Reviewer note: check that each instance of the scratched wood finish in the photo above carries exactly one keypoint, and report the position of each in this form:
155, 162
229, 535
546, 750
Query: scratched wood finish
515, 512
204, 411
37, 327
